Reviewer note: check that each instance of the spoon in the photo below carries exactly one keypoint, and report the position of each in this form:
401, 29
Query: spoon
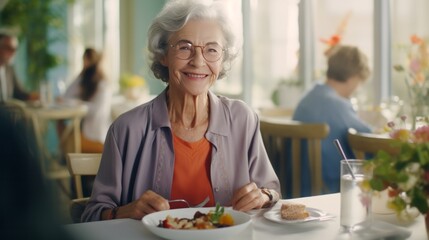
340, 149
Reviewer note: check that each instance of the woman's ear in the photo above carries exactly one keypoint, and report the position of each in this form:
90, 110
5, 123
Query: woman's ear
164, 61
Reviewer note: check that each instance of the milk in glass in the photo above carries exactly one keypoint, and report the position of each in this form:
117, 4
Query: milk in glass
355, 195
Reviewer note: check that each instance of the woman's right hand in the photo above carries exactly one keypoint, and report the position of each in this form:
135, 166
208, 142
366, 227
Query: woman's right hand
149, 202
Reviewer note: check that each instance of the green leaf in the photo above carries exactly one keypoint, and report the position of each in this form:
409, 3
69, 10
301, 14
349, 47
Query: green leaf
215, 216
399, 204
402, 177
377, 184
418, 200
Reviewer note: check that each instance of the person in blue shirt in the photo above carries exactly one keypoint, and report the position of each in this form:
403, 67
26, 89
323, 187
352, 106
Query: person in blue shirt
329, 103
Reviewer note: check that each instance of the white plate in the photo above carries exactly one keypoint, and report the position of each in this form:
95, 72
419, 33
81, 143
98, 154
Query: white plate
315, 215
151, 221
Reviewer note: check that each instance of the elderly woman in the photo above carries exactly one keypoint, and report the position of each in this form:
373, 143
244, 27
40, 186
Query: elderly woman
330, 103
187, 143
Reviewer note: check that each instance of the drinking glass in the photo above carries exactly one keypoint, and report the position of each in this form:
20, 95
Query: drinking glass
45, 94
355, 193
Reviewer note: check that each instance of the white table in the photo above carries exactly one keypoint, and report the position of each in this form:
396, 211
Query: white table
260, 229
74, 112
41, 115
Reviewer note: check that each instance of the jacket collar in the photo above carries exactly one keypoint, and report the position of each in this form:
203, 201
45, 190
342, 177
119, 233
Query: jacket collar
218, 114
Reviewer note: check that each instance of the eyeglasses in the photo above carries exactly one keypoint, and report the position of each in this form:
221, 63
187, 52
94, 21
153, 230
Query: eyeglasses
185, 50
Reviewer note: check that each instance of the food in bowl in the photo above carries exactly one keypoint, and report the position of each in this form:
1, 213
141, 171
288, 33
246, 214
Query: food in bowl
213, 219
293, 211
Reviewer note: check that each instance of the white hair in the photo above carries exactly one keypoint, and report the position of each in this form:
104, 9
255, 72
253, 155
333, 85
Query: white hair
174, 15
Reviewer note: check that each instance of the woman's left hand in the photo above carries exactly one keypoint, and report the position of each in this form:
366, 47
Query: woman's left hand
249, 197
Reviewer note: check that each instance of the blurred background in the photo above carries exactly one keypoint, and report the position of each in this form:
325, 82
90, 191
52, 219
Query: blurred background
281, 55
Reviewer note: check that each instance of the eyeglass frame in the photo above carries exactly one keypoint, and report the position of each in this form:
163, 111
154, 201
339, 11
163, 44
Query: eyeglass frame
193, 50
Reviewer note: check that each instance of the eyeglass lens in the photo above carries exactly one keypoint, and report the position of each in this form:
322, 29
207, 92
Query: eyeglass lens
185, 50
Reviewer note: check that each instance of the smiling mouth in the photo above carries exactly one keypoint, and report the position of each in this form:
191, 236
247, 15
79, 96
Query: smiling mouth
193, 75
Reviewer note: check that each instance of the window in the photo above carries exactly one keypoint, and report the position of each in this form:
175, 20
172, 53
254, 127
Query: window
269, 54
408, 18
94, 23
353, 22
269, 32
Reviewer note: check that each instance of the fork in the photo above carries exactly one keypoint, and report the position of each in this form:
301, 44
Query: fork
325, 217
206, 200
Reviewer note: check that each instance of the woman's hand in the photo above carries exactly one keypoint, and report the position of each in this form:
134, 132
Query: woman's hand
149, 202
249, 197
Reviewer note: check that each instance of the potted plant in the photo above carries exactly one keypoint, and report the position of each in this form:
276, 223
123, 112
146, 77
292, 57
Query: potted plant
39, 24
287, 93
406, 174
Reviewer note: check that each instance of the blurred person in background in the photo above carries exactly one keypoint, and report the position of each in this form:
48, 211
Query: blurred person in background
10, 86
329, 103
92, 87
28, 207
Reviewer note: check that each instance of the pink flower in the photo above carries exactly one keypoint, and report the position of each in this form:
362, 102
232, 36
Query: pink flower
421, 134
415, 66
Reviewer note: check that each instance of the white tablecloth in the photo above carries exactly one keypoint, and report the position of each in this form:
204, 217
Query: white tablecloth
260, 229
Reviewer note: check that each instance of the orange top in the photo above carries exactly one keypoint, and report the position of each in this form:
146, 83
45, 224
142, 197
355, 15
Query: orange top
191, 179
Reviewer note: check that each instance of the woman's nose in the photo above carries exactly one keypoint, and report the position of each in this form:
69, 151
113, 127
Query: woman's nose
198, 58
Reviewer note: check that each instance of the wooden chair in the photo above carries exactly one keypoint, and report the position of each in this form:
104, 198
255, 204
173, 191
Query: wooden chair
369, 143
276, 112
81, 164
276, 134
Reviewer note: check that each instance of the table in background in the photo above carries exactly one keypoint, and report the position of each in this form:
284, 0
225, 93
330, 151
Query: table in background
260, 228
73, 112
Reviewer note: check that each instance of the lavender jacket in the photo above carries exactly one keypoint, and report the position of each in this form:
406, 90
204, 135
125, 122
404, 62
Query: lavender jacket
138, 155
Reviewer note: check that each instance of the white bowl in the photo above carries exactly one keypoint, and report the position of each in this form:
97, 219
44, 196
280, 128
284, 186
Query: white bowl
151, 221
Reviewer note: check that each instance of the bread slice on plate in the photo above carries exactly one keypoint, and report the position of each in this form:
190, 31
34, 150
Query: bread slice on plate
293, 211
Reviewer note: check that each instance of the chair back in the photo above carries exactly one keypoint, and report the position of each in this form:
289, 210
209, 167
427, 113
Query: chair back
276, 112
16, 111
276, 134
82, 164
369, 143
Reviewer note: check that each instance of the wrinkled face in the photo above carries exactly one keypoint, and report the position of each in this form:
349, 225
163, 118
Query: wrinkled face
8, 46
196, 74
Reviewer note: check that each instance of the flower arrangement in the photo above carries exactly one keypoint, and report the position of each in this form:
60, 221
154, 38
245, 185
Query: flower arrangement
416, 69
333, 41
406, 174
132, 86
131, 81
336, 38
